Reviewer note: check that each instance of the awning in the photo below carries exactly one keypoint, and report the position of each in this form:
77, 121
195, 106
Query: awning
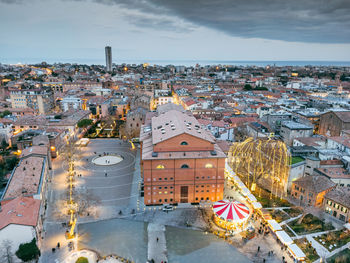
252, 198
241, 185
231, 210
274, 225
284, 237
296, 251
245, 191
257, 205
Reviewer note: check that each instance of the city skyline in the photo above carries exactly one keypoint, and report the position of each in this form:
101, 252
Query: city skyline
77, 31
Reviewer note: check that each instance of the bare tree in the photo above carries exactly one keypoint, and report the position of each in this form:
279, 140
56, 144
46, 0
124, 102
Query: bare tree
85, 201
6, 251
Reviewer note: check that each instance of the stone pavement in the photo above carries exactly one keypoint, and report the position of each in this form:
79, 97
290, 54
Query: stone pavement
157, 243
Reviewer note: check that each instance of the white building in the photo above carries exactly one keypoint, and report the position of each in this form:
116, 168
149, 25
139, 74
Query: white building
20, 222
69, 103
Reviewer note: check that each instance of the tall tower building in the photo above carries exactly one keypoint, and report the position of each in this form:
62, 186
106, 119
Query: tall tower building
108, 51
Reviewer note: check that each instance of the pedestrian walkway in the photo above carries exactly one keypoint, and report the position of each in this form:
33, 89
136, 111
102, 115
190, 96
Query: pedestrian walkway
321, 250
157, 243
290, 220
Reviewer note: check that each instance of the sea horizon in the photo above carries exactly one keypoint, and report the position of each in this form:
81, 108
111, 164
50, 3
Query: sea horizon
258, 63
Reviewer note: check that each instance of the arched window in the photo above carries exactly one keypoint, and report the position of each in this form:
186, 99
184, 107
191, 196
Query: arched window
183, 143
184, 166
160, 166
208, 165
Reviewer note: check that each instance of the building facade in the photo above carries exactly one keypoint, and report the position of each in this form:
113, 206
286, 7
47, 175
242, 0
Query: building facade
337, 204
41, 100
108, 51
181, 162
291, 130
333, 122
310, 190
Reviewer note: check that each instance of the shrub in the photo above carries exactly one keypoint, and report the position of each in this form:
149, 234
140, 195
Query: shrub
82, 260
28, 251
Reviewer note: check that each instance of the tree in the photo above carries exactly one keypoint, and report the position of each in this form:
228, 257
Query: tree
6, 251
11, 162
84, 123
5, 113
247, 87
4, 145
82, 260
28, 251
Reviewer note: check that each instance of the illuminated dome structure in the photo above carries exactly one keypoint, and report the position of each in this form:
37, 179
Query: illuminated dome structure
230, 215
262, 162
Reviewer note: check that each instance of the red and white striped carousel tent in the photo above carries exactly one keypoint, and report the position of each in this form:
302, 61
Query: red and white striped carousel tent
231, 211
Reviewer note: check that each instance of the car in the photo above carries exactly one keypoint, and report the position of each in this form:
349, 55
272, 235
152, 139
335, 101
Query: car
167, 208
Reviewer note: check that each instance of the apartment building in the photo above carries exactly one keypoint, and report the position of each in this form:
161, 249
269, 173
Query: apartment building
41, 100
337, 204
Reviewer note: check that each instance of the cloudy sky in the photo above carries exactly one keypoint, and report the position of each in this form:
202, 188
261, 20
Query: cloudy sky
151, 30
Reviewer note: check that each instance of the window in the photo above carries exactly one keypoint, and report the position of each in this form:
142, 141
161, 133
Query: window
160, 166
208, 165
184, 166
183, 143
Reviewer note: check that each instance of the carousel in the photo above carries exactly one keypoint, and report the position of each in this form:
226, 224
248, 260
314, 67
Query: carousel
230, 215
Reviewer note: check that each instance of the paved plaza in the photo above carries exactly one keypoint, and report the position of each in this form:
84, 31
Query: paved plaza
108, 186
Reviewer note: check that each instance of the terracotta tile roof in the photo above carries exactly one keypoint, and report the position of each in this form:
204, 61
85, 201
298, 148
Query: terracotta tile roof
334, 172
331, 162
340, 196
343, 115
20, 211
26, 178
40, 150
174, 123
341, 140
169, 106
312, 141
315, 184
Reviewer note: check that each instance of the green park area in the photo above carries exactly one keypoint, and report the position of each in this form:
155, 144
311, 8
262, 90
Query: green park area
341, 257
309, 224
335, 239
308, 249
279, 215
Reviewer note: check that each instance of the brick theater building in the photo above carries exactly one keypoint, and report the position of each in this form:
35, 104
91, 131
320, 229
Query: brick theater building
181, 162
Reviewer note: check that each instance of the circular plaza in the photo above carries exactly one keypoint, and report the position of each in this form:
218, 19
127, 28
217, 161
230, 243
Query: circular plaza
107, 160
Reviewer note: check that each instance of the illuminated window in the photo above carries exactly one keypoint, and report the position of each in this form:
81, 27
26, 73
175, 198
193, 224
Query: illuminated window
160, 166
183, 143
184, 166
208, 165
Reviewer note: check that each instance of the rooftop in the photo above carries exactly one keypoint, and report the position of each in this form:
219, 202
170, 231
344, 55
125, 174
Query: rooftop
334, 172
296, 125
26, 178
340, 196
172, 123
20, 211
315, 184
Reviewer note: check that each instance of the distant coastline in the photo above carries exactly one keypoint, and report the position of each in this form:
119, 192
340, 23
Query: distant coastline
259, 63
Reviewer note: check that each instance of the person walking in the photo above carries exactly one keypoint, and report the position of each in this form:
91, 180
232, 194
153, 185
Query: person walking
157, 239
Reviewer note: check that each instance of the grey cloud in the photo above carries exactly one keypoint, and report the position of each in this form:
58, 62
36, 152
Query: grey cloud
11, 1
318, 21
